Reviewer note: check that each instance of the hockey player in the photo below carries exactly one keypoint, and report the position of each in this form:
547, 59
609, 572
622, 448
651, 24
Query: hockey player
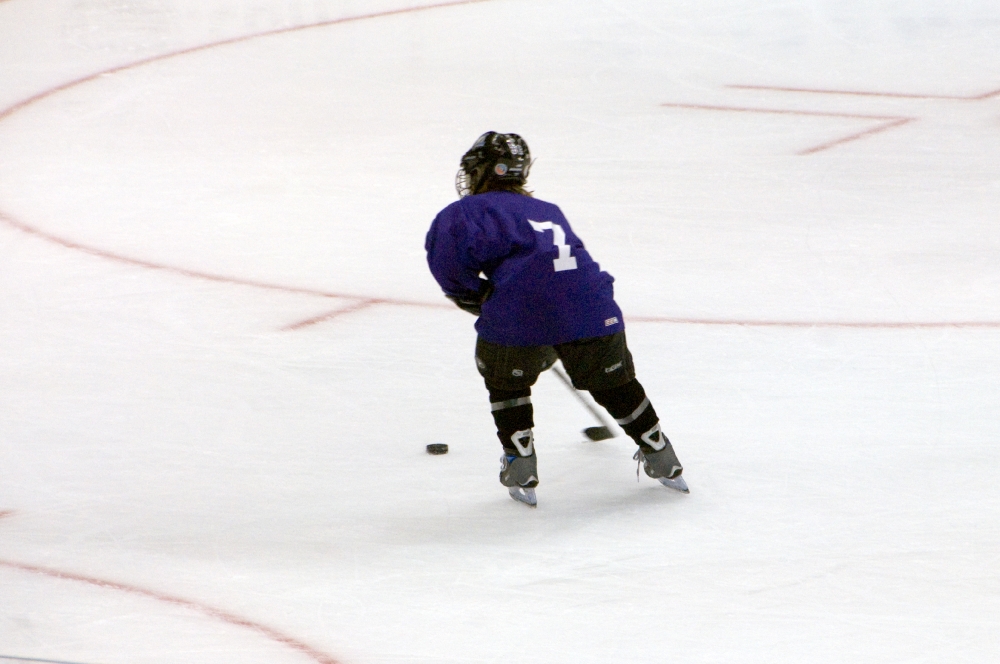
513, 261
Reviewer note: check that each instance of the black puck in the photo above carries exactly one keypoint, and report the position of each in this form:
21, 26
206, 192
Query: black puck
437, 448
598, 433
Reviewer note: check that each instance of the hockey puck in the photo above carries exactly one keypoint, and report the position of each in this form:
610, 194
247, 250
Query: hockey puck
437, 448
598, 433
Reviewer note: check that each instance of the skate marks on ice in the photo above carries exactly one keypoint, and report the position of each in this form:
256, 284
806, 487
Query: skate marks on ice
12, 658
231, 619
882, 124
529, 497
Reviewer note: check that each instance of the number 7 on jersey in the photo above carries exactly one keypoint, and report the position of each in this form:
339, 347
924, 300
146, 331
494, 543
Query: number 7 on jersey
564, 261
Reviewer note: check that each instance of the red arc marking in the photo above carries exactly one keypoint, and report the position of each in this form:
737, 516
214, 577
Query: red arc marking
360, 302
4, 114
219, 614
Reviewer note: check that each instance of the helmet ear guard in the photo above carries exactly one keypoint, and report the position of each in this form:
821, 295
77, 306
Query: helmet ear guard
494, 159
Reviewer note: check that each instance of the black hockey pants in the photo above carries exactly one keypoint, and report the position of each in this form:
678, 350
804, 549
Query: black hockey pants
601, 365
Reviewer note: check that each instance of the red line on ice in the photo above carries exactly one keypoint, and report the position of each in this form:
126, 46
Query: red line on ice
4, 114
362, 302
336, 313
853, 137
224, 616
862, 93
887, 121
120, 258
70, 244
5, 513
875, 325
782, 111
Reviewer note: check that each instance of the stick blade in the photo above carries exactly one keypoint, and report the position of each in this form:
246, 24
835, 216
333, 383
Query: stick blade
598, 433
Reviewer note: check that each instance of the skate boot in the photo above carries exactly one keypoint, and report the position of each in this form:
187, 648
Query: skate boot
519, 469
658, 459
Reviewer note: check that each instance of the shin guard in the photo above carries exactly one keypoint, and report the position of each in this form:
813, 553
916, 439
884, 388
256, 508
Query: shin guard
514, 419
631, 408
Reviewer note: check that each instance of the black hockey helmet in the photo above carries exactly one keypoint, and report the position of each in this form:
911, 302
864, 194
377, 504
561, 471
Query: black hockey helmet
493, 158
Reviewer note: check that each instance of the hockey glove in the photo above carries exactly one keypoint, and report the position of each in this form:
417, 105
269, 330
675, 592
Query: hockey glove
473, 302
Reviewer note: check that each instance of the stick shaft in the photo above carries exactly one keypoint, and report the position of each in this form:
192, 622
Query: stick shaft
568, 383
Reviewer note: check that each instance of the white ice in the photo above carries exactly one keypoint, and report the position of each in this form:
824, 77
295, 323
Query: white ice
183, 441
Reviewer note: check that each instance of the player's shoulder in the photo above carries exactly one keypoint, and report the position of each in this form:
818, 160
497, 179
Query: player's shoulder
506, 204
509, 200
449, 215
451, 208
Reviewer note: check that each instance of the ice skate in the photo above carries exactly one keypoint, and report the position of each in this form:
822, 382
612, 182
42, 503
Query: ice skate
520, 476
657, 457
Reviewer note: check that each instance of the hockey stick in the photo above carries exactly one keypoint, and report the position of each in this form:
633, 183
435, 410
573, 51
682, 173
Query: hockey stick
602, 432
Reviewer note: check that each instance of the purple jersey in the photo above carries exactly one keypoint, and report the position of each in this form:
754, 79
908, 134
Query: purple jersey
547, 288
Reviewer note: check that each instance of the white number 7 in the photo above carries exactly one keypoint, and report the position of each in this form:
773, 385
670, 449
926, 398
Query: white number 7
564, 261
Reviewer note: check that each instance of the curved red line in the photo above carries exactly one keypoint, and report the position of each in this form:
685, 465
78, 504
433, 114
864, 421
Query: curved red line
70, 244
4, 114
365, 301
224, 616
208, 276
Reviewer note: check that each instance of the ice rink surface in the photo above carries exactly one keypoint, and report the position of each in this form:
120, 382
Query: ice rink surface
223, 353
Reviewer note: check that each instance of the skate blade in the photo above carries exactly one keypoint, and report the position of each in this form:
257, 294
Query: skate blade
677, 484
523, 495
